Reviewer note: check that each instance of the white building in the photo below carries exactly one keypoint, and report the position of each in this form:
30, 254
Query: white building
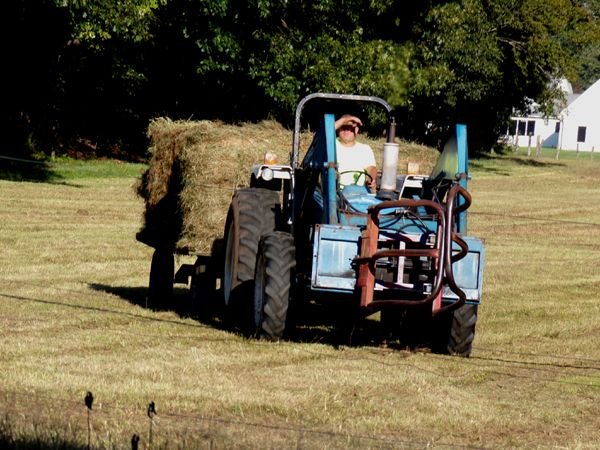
574, 127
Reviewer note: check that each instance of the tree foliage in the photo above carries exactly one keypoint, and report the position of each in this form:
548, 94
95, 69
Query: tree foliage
588, 63
107, 67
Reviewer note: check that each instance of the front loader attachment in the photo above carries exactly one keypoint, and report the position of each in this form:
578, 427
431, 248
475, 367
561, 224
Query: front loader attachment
439, 249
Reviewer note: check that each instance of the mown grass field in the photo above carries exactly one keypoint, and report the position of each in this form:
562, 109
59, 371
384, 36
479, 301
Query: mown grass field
72, 320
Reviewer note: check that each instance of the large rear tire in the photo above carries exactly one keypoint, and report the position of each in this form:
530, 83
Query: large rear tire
162, 273
455, 331
275, 265
251, 214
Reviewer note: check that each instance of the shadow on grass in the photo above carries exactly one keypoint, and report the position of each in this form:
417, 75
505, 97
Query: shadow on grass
316, 323
533, 162
330, 323
479, 163
138, 296
10, 443
14, 169
493, 170
94, 308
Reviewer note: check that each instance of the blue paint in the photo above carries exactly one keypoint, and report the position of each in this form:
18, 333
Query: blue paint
463, 162
468, 273
330, 136
334, 248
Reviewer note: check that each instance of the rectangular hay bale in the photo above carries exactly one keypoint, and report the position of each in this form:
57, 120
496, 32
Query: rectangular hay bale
194, 169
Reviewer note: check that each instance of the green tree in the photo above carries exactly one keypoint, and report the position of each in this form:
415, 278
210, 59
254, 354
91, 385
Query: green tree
477, 60
77, 69
588, 68
89, 74
438, 62
33, 33
104, 75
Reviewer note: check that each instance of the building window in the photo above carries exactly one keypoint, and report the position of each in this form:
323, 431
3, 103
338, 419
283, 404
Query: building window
581, 134
513, 127
521, 125
557, 127
530, 127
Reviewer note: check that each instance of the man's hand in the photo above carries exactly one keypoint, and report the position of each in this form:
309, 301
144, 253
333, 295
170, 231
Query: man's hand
372, 179
347, 119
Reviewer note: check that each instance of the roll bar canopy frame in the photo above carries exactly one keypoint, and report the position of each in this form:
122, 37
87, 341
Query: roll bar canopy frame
328, 96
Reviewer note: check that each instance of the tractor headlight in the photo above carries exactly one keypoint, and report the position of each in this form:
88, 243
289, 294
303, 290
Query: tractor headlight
267, 174
270, 158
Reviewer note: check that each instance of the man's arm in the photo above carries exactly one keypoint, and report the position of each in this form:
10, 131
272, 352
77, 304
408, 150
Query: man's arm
372, 182
347, 120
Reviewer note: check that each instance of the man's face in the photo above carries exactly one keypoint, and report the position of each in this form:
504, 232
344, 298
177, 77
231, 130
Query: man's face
347, 134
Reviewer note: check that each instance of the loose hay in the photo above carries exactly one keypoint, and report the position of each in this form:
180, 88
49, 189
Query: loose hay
196, 166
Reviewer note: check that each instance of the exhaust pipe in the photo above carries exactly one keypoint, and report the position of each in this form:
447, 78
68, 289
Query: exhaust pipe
389, 171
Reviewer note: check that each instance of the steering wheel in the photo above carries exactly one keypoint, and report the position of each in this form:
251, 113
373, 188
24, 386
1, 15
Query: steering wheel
356, 178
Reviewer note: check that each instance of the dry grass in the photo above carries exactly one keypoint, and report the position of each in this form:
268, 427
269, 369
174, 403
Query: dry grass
72, 320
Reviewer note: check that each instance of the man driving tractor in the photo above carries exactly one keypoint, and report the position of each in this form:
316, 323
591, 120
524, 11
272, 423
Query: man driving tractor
354, 157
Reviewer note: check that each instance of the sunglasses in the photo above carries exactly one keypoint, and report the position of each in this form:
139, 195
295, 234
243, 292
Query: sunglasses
348, 128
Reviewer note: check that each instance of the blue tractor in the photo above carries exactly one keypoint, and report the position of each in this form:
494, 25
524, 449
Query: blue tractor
294, 237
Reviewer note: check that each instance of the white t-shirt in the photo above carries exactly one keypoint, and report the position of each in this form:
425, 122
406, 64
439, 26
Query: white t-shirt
357, 157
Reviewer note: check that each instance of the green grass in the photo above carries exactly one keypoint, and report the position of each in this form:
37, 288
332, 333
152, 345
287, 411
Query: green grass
72, 320
551, 153
71, 169
63, 169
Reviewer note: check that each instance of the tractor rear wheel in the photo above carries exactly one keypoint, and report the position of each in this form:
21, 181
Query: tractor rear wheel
455, 331
275, 264
162, 272
251, 214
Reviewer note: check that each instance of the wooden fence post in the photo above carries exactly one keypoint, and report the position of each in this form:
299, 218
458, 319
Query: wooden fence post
89, 401
151, 413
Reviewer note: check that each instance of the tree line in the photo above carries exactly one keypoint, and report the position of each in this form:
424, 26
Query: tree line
84, 77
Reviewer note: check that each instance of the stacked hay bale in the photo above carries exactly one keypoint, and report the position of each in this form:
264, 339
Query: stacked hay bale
196, 166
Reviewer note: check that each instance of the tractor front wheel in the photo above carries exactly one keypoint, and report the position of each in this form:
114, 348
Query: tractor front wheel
455, 331
275, 264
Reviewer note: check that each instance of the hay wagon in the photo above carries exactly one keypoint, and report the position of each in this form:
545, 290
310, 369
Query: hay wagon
194, 168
